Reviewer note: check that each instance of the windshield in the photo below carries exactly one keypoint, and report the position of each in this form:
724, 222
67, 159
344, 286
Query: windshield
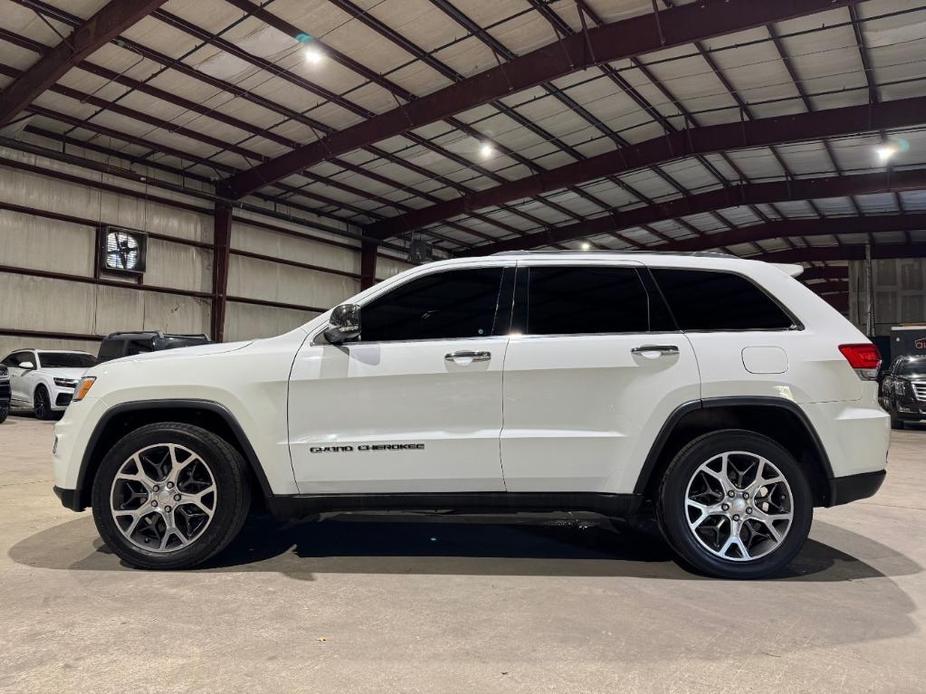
912, 367
66, 360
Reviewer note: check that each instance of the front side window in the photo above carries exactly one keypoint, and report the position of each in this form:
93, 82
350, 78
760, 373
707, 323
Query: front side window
707, 300
443, 305
564, 300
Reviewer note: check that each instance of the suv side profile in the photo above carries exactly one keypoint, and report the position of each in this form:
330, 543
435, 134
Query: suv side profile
716, 392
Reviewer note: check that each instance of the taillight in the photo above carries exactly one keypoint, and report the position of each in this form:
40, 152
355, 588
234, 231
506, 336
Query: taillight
864, 358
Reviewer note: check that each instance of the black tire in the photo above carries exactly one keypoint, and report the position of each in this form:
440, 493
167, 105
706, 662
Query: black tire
232, 501
897, 423
672, 509
4, 413
42, 404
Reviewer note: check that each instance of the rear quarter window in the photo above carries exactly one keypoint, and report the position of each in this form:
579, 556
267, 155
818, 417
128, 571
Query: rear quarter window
704, 300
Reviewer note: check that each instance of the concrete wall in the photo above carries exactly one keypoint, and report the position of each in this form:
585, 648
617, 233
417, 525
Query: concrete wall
71, 311
899, 291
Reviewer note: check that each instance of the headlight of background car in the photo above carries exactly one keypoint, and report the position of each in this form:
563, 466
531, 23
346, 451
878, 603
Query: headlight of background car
65, 382
899, 386
86, 383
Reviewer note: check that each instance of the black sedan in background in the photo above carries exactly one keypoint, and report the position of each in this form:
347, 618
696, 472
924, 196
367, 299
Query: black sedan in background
903, 390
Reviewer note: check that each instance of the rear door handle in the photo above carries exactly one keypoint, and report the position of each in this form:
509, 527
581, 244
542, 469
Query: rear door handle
663, 350
467, 356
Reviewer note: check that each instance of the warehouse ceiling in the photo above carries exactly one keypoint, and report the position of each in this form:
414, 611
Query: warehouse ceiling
791, 130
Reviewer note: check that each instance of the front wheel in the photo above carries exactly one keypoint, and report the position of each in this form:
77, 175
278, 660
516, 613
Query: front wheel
4, 413
41, 403
735, 504
170, 496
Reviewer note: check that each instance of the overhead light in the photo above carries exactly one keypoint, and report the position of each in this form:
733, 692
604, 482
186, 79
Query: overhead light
486, 150
886, 151
312, 55
586, 246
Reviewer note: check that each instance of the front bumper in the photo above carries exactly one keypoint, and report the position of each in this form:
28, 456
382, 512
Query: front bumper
69, 498
61, 398
854, 487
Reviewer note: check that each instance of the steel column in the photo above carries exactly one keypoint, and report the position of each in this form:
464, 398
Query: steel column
221, 245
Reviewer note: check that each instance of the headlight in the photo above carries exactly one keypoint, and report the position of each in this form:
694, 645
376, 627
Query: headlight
899, 386
86, 383
65, 382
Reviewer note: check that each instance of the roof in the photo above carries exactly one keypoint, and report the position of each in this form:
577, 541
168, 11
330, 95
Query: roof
481, 127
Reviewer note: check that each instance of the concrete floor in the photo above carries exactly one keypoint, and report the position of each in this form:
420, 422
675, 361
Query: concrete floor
416, 605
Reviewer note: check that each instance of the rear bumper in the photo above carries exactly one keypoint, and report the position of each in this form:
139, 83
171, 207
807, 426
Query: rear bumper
855, 487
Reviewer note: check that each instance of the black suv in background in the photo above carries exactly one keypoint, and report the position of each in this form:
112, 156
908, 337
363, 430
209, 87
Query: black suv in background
903, 390
4, 393
126, 344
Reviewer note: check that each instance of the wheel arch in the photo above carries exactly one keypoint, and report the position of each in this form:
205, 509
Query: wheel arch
121, 419
781, 420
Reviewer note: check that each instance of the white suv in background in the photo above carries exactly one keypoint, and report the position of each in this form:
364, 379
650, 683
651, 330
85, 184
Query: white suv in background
716, 392
43, 380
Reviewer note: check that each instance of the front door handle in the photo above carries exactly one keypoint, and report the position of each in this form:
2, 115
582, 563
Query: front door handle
662, 350
467, 356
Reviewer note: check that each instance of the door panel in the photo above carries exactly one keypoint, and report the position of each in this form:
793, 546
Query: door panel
350, 403
590, 382
416, 404
581, 412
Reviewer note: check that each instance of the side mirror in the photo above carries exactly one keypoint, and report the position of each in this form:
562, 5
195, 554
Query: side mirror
344, 324
28, 365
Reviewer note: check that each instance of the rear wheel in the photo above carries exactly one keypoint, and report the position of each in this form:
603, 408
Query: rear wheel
735, 504
41, 403
170, 496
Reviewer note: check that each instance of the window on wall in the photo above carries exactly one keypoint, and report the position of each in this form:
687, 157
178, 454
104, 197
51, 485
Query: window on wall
707, 300
444, 305
565, 300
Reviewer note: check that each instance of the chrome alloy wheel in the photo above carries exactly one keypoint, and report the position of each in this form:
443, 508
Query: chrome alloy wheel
739, 506
163, 497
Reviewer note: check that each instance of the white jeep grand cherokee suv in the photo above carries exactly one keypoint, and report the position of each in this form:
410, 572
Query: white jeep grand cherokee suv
718, 392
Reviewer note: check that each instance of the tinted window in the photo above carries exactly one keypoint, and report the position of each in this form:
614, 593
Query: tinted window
911, 367
17, 358
66, 360
111, 349
460, 303
581, 300
704, 300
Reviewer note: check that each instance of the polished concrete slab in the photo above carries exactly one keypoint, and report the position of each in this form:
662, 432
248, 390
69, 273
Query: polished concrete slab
444, 605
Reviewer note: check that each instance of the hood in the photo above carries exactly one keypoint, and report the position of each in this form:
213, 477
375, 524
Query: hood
196, 351
65, 373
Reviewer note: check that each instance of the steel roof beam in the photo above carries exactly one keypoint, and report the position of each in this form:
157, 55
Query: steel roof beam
676, 145
847, 252
615, 41
784, 229
734, 196
102, 27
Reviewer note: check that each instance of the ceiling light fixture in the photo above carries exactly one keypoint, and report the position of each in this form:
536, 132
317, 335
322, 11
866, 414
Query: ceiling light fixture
486, 150
586, 246
312, 55
886, 151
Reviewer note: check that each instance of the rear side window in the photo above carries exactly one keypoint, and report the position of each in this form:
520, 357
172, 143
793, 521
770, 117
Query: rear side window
586, 300
706, 300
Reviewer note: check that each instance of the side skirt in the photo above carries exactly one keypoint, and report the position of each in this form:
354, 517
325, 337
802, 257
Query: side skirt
612, 505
